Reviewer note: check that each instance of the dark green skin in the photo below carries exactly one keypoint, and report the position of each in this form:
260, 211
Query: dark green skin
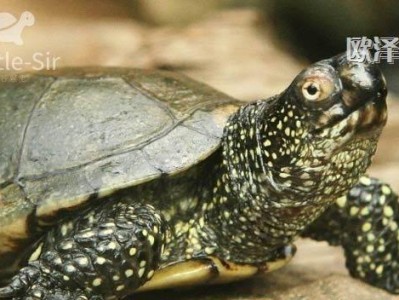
281, 163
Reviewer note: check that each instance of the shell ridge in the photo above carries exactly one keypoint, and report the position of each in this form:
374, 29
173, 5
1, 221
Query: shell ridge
77, 167
23, 138
152, 97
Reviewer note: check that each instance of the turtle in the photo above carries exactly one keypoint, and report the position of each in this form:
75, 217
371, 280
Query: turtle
11, 28
116, 181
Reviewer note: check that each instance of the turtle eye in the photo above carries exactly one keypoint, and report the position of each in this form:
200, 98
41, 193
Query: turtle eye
317, 88
311, 90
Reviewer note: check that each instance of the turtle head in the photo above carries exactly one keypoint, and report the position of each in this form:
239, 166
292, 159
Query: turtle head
315, 139
341, 97
330, 117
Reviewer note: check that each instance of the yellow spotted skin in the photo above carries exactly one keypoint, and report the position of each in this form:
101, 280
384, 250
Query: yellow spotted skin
110, 251
281, 162
365, 222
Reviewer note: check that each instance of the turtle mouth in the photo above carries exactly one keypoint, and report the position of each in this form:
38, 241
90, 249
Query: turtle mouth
362, 120
360, 106
363, 96
368, 118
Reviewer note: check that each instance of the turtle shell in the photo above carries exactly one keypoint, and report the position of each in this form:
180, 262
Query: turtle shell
78, 134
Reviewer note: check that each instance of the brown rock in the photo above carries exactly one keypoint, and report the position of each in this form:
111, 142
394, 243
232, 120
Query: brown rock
335, 287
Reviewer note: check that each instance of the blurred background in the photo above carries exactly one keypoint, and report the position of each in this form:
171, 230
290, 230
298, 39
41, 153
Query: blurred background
249, 49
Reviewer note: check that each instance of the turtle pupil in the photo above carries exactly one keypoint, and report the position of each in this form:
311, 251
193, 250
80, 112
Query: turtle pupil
312, 89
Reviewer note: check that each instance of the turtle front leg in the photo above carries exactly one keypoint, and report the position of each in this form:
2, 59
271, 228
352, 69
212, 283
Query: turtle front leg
365, 222
105, 254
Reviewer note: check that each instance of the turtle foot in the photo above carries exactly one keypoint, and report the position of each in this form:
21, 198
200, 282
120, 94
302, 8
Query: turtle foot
106, 253
365, 223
